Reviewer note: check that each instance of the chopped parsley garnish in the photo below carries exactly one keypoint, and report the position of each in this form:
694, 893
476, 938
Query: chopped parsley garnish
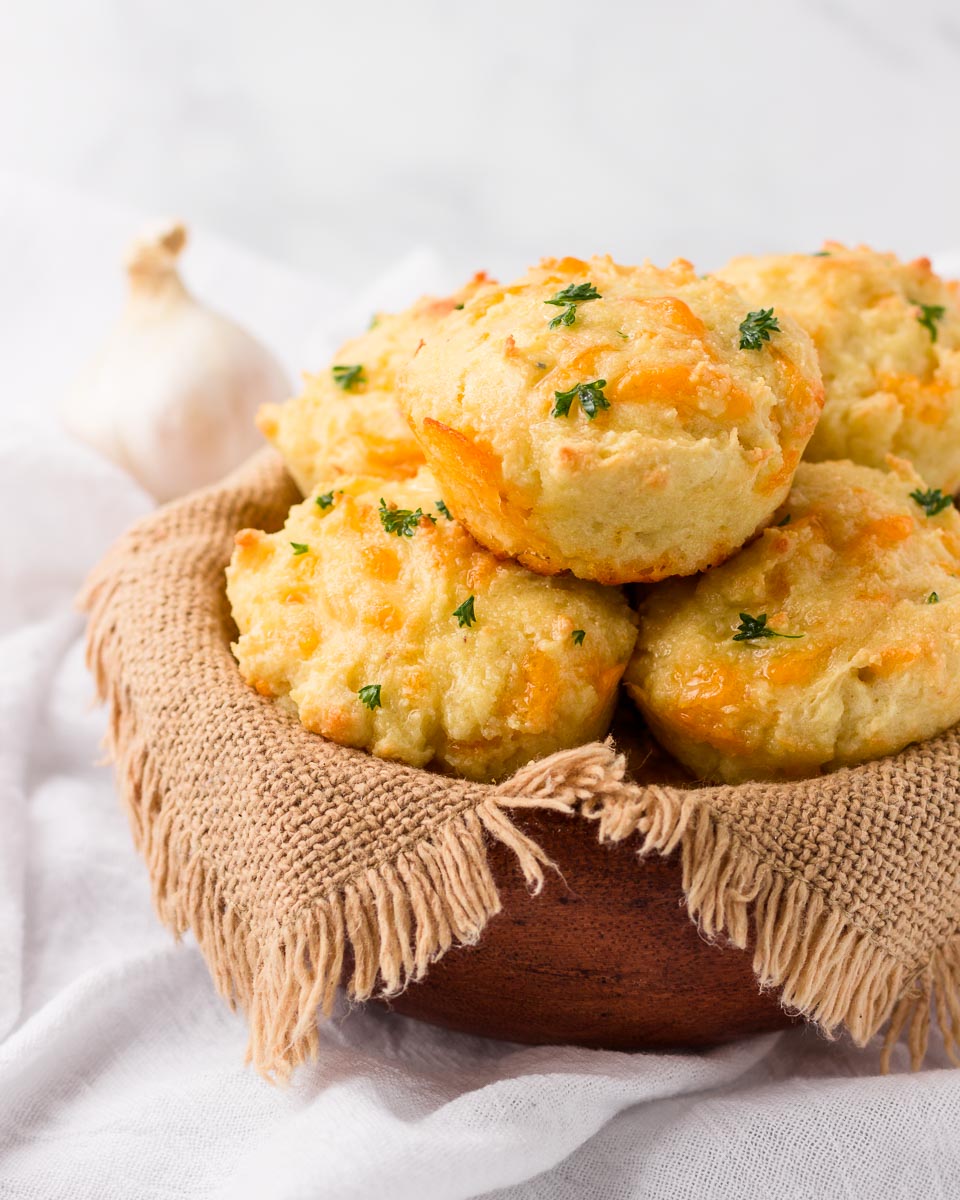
930, 314
442, 508
374, 322
820, 254
465, 614
567, 317
784, 521
932, 501
625, 336
299, 548
933, 598
757, 627
590, 395
349, 377
401, 521
457, 307
578, 635
370, 695
325, 500
568, 299
756, 327
575, 293
541, 366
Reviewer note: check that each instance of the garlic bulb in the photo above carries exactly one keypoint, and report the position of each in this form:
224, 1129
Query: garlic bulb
172, 395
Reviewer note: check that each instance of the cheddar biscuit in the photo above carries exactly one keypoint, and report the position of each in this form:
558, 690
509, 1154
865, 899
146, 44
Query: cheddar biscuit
386, 626
888, 336
622, 423
346, 420
832, 639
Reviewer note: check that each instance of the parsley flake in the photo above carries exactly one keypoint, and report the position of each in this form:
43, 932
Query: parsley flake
465, 614
349, 377
590, 395
756, 327
567, 317
820, 254
578, 635
370, 695
299, 548
442, 508
401, 521
785, 521
457, 307
930, 314
933, 598
576, 293
374, 321
625, 336
325, 500
568, 299
932, 501
757, 627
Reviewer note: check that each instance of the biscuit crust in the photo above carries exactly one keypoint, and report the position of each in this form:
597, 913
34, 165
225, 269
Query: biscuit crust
695, 450
331, 430
868, 579
888, 336
481, 665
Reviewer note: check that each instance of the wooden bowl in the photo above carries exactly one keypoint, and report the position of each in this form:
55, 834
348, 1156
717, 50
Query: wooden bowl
607, 957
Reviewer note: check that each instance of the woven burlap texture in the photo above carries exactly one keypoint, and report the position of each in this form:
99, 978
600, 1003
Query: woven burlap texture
295, 861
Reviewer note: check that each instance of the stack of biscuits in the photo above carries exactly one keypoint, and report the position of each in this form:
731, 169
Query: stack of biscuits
729, 495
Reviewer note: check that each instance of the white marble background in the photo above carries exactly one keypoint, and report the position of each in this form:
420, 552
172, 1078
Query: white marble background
338, 136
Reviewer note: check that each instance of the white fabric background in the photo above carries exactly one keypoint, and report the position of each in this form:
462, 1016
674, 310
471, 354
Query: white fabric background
121, 1071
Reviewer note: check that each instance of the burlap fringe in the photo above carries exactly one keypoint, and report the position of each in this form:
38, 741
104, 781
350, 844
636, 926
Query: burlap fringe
828, 970
390, 923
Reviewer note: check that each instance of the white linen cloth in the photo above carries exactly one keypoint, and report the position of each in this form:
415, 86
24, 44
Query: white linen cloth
121, 1070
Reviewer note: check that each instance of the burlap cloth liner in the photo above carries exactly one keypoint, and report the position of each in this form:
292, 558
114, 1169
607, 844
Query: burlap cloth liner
283, 852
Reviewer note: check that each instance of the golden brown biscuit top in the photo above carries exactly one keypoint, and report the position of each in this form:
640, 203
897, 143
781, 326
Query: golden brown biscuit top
346, 418
387, 346
880, 325
371, 584
859, 571
603, 419
849, 544
665, 343
861, 305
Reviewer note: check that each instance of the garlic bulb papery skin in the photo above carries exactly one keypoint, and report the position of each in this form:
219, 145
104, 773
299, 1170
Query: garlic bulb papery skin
171, 397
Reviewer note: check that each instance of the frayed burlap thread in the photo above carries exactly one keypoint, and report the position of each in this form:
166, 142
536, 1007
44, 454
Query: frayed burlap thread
847, 887
299, 864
